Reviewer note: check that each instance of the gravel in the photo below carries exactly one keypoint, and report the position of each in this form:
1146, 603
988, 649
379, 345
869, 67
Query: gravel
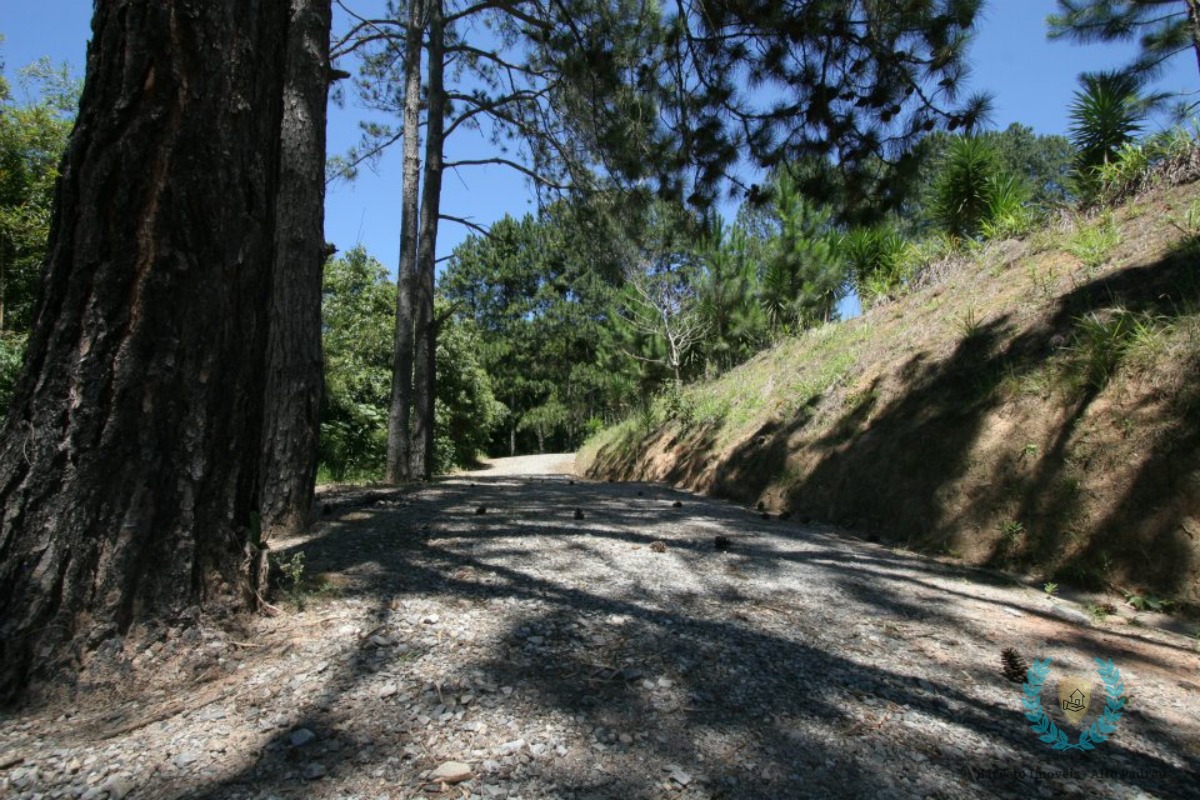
529, 654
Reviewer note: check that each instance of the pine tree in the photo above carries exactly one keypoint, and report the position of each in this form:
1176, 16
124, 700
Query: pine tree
1163, 29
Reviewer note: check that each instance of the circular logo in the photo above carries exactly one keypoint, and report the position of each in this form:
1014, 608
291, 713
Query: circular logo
1074, 696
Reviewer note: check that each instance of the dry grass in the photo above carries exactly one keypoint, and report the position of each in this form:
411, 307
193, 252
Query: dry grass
1030, 386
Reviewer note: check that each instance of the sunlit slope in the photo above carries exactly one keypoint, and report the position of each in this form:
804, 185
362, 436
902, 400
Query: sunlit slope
1034, 405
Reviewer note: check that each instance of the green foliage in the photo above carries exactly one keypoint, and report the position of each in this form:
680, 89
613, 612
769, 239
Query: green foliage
293, 574
33, 136
972, 196
804, 276
1009, 214
727, 286
538, 294
1159, 27
12, 351
1136, 166
1188, 222
358, 318
1012, 529
467, 411
1092, 244
1148, 602
1050, 589
545, 420
1097, 611
880, 261
1105, 115
1102, 340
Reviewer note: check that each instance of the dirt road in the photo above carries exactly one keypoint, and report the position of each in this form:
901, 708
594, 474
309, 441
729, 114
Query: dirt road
661, 646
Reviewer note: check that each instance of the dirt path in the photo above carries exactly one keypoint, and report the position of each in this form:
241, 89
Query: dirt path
622, 655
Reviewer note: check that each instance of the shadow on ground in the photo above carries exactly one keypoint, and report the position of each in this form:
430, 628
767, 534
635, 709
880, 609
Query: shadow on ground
746, 710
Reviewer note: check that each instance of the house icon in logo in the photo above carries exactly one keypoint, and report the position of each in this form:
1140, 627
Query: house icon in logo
1075, 701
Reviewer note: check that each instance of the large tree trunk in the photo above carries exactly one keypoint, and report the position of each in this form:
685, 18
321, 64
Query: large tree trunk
425, 374
1194, 27
295, 377
130, 461
399, 435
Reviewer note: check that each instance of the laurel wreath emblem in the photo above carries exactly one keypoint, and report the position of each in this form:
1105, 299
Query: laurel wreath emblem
1099, 731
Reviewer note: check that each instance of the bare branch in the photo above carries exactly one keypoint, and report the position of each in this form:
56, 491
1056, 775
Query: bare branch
467, 223
504, 162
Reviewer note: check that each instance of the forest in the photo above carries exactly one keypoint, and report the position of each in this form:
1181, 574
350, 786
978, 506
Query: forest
183, 357
773, 442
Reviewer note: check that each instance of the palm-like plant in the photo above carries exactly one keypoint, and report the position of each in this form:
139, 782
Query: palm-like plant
1106, 114
962, 193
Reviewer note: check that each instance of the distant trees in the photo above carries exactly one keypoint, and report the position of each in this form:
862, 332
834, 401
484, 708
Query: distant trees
648, 95
537, 292
358, 312
33, 137
358, 320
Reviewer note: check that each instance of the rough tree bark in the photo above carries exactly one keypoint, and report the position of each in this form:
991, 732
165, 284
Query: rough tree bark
399, 435
295, 374
425, 372
130, 461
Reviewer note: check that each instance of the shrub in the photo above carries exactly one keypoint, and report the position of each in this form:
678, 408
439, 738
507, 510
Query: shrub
963, 189
1106, 114
880, 261
1008, 214
12, 353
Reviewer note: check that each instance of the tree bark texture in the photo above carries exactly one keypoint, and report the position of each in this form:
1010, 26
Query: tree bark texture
130, 462
1194, 27
295, 375
425, 372
399, 434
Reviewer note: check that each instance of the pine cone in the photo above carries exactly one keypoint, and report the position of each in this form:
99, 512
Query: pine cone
1015, 668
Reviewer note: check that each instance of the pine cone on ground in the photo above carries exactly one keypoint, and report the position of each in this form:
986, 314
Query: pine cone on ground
1015, 667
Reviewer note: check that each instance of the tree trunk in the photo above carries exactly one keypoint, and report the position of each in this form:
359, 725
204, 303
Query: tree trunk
1194, 26
129, 464
425, 372
295, 376
399, 435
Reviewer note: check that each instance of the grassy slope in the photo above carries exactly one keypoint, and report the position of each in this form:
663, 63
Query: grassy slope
1025, 410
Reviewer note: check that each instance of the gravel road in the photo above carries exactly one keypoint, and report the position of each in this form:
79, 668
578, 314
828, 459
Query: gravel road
474, 638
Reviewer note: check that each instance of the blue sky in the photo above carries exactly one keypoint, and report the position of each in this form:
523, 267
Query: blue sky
1032, 80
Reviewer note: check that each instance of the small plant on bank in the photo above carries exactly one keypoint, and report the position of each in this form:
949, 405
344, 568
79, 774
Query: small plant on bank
969, 324
1092, 244
1148, 602
1103, 339
1012, 529
1097, 612
1050, 589
293, 573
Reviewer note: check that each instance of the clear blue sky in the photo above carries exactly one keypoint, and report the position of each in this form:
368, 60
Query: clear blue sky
1032, 80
